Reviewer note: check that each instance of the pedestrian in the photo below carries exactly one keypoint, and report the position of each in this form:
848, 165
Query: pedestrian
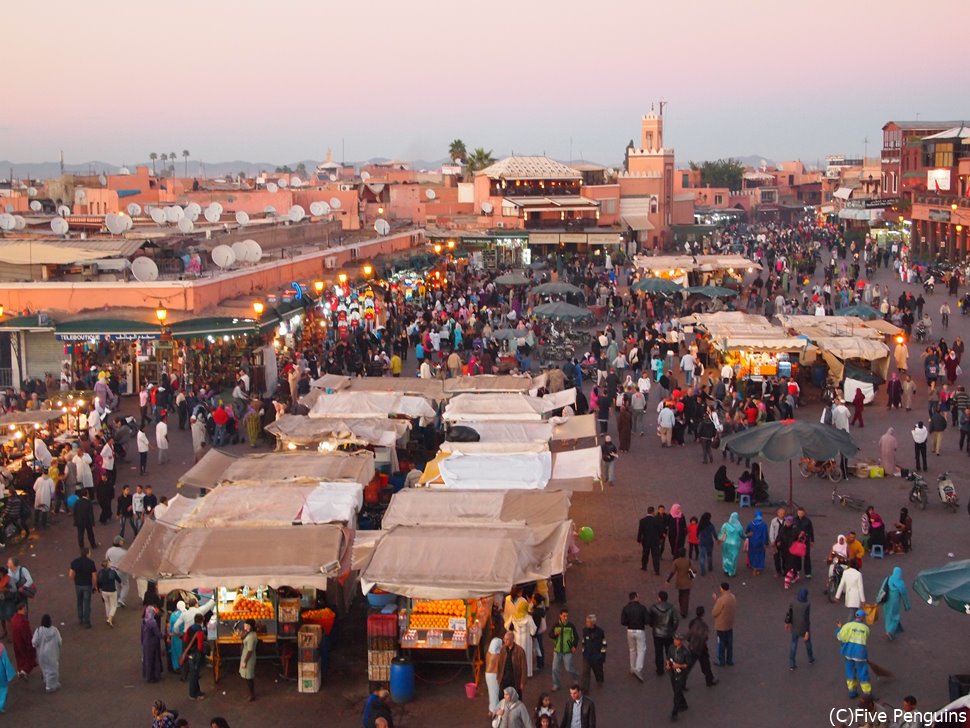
193, 655
706, 536
663, 621
44, 490
376, 709
511, 712
774, 538
161, 716
678, 664
852, 587
650, 537
920, 433
161, 440
22, 635
707, 431
858, 406
47, 642
697, 634
893, 596
683, 576
636, 618
805, 530
114, 555
624, 426
798, 625
578, 706
854, 638
141, 440
725, 608
516, 616
151, 646
594, 652
545, 712
565, 640
757, 534
138, 507
676, 530
21, 581
887, 452
7, 673
108, 584
638, 405
247, 662
511, 665
125, 512
731, 536
199, 437
84, 519
84, 572
492, 658
609, 455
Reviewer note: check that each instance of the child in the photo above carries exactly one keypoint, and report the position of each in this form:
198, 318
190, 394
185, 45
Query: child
138, 507
545, 708
693, 542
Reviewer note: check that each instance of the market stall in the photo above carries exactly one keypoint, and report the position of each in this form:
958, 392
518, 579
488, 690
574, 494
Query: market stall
757, 357
361, 405
490, 406
296, 432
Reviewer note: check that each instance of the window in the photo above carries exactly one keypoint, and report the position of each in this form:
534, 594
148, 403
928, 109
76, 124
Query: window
653, 205
718, 199
769, 196
608, 206
685, 181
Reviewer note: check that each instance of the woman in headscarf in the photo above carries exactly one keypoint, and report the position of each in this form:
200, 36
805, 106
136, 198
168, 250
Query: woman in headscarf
887, 451
512, 712
901, 539
894, 392
757, 533
176, 629
894, 591
624, 425
491, 674
7, 673
151, 647
858, 405
877, 528
253, 422
731, 536
517, 615
676, 529
22, 634
47, 642
723, 484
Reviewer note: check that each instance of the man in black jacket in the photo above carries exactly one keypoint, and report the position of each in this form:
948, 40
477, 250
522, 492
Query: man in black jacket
594, 651
636, 619
84, 519
583, 705
697, 635
803, 524
664, 621
650, 536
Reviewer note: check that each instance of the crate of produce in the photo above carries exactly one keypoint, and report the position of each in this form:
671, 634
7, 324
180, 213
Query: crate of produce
309, 684
310, 635
309, 654
382, 625
289, 610
379, 673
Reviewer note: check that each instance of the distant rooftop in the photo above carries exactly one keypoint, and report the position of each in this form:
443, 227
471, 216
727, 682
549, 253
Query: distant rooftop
956, 132
530, 168
924, 124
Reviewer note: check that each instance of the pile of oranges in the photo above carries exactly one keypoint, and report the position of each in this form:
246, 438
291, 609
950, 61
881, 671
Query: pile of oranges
244, 608
447, 607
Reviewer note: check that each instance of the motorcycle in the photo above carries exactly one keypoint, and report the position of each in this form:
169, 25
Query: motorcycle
947, 492
928, 285
835, 577
919, 493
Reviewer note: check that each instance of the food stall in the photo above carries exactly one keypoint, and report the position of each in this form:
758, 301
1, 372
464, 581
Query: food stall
757, 357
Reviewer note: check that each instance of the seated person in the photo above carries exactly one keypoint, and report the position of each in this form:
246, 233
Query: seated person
722, 483
760, 484
901, 538
746, 484
839, 553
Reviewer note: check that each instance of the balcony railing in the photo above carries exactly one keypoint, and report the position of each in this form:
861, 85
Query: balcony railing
579, 223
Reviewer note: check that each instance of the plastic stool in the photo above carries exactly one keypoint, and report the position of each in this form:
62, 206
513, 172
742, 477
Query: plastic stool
744, 501
719, 496
876, 552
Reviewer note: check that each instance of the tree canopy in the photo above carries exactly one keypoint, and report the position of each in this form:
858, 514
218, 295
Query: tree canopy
457, 151
480, 159
720, 173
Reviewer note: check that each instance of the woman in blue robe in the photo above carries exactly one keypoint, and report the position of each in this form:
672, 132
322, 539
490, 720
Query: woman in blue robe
896, 596
757, 534
731, 536
175, 632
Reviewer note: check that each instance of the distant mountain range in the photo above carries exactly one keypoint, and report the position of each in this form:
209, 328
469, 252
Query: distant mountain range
196, 168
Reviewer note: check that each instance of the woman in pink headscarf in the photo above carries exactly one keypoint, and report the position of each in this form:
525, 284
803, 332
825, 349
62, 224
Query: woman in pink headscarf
676, 529
887, 452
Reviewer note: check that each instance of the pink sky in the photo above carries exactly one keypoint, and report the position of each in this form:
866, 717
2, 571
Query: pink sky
228, 80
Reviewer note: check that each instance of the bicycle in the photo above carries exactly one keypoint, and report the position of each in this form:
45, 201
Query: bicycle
822, 468
848, 501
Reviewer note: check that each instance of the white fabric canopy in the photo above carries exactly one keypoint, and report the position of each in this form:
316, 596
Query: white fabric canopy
571, 464
497, 431
360, 405
425, 506
505, 407
494, 471
304, 430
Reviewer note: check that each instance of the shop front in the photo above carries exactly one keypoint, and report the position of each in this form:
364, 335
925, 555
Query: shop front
132, 351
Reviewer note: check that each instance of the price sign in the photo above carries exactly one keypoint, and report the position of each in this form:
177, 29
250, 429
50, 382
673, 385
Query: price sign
455, 623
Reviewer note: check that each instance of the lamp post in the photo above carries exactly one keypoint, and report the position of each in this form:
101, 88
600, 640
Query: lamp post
367, 270
318, 287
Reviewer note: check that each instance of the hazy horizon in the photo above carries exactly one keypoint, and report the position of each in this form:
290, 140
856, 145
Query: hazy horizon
247, 81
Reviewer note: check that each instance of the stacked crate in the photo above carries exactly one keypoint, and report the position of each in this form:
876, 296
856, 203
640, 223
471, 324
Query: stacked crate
381, 648
289, 617
308, 662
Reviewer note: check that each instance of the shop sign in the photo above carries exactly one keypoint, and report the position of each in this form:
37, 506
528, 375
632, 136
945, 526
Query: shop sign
108, 337
880, 203
605, 238
573, 238
543, 239
940, 215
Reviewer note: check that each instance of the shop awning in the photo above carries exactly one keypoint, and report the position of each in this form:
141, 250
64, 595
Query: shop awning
851, 213
424, 507
551, 204
502, 407
763, 343
106, 328
489, 383
843, 193
304, 430
36, 417
639, 223
365, 405
215, 326
27, 323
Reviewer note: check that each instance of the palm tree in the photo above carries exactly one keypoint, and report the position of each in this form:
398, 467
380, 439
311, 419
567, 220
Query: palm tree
153, 156
164, 163
457, 151
172, 156
185, 153
480, 159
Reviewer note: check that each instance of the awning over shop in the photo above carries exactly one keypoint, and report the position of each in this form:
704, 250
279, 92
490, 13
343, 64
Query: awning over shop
658, 264
843, 193
27, 323
764, 343
551, 204
304, 430
218, 326
426, 507
639, 223
361, 405
35, 417
106, 328
503, 407
851, 213
489, 383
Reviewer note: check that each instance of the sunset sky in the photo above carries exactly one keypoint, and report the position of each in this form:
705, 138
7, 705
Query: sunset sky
279, 82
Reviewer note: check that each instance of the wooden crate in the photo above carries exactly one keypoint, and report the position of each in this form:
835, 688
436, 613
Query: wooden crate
310, 635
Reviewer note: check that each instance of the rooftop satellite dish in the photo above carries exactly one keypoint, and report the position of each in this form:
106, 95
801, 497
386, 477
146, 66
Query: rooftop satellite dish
59, 226
212, 214
7, 222
193, 208
115, 223
487, 208
32, 192
144, 269
103, 180
19, 223
134, 209
129, 223
335, 203
124, 170
63, 210
316, 209
296, 182
382, 226
282, 183
217, 206
174, 213
430, 194
365, 176
223, 256
242, 217
240, 250
192, 214
186, 225
81, 195
296, 213
158, 216
269, 211
36, 206
333, 178
272, 187
254, 251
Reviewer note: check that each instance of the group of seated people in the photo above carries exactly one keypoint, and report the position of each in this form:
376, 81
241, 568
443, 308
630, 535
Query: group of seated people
751, 483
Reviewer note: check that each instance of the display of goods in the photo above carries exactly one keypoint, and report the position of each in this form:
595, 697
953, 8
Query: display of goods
447, 607
243, 608
429, 621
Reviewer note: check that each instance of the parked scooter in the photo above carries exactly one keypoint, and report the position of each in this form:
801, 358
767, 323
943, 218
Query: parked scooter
947, 492
919, 493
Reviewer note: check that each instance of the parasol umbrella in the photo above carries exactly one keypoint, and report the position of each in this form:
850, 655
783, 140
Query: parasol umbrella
712, 291
861, 311
512, 279
510, 334
950, 583
557, 288
789, 439
562, 311
657, 285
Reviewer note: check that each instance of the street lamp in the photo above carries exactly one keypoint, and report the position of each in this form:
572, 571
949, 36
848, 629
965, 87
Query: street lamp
318, 287
451, 245
437, 248
367, 270
161, 313
258, 308
342, 278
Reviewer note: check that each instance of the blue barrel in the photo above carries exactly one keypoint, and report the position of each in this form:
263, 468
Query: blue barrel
402, 680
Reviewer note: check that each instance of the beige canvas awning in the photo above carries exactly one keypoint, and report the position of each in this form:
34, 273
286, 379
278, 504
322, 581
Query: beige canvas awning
362, 405
423, 507
35, 417
489, 383
492, 406
303, 430
432, 389
208, 472
764, 343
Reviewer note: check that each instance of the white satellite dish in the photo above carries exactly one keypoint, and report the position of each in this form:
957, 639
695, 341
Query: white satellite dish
36, 206
335, 203
487, 208
365, 176
134, 209
192, 214
158, 215
129, 223
316, 209
270, 211
174, 213
254, 251
19, 223
242, 217
193, 210
186, 225
103, 180
144, 269
240, 250
382, 226
296, 213
223, 256
212, 214
217, 206
7, 222
296, 182
325, 207
611, 171
282, 183
124, 170
430, 194
333, 178
59, 226
116, 224
272, 187
32, 192
81, 195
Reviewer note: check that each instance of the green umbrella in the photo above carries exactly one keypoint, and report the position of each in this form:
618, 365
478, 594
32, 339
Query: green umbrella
657, 285
512, 279
950, 583
557, 288
712, 291
562, 311
861, 311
